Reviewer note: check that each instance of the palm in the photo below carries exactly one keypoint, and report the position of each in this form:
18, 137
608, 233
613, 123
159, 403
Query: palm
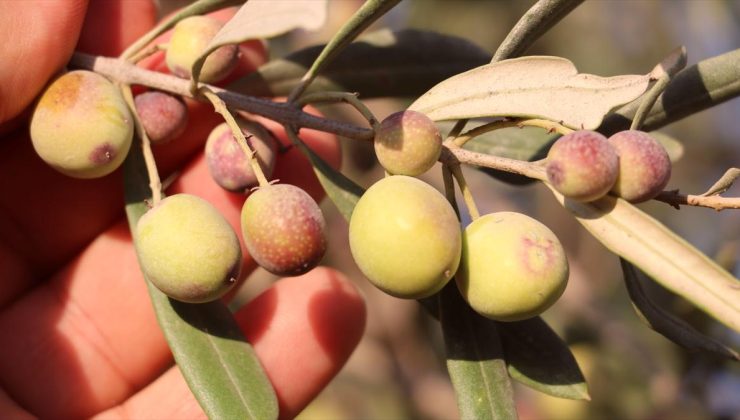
78, 331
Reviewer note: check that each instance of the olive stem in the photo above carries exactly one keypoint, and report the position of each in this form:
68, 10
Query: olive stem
155, 184
450, 189
346, 97
663, 72
148, 51
716, 202
220, 107
467, 194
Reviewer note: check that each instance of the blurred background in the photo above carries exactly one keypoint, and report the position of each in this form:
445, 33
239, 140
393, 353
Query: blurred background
398, 371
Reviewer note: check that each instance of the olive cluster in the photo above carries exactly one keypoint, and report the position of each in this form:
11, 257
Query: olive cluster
585, 165
407, 240
186, 248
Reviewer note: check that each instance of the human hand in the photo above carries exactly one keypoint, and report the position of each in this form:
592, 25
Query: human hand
79, 336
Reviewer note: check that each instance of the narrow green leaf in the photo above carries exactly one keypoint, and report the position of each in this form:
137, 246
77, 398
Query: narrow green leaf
661, 254
538, 358
703, 85
552, 89
475, 360
220, 367
379, 64
370, 11
342, 191
264, 19
671, 327
724, 183
535, 22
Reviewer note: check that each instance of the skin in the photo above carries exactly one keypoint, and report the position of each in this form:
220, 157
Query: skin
79, 335
513, 267
284, 229
644, 166
582, 165
407, 143
405, 237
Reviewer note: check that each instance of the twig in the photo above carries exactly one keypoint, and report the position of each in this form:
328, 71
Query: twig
287, 114
127, 73
716, 202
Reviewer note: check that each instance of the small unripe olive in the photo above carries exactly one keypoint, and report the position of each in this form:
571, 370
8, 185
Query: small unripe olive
163, 116
227, 162
513, 267
405, 237
283, 229
582, 165
644, 166
407, 143
82, 126
190, 37
187, 249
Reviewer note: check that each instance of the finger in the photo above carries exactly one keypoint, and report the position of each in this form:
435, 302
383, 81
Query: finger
89, 336
112, 25
303, 329
43, 35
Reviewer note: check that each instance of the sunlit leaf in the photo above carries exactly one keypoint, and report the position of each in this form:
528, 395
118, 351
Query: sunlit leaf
661, 254
536, 86
265, 19
538, 358
475, 360
379, 64
664, 323
220, 367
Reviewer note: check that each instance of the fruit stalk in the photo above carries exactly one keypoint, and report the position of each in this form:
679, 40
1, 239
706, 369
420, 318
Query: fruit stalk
155, 184
221, 108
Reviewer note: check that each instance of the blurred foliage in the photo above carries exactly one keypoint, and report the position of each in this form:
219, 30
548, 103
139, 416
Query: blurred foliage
398, 371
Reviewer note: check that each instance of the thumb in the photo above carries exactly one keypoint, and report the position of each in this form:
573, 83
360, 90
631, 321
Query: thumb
39, 37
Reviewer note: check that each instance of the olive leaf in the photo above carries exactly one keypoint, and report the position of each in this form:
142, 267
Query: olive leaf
368, 13
538, 358
703, 85
379, 64
475, 360
264, 19
661, 254
666, 324
536, 86
219, 366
